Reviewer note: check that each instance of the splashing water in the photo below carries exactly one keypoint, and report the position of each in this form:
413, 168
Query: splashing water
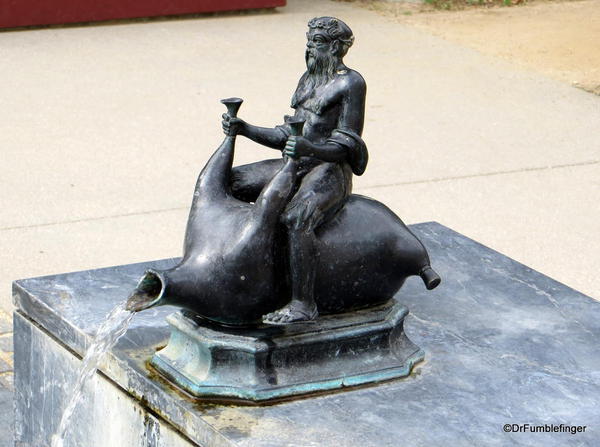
107, 336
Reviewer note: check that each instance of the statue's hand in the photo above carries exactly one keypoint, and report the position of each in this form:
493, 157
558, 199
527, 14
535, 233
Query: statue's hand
296, 147
233, 126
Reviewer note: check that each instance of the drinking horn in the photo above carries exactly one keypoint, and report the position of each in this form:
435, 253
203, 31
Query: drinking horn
234, 265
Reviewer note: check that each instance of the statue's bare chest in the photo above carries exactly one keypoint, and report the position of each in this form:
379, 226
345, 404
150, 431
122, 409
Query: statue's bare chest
321, 112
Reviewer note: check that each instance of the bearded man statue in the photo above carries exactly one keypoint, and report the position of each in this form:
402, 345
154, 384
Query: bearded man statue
330, 98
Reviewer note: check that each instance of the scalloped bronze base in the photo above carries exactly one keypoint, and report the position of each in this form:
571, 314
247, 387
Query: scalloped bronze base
277, 362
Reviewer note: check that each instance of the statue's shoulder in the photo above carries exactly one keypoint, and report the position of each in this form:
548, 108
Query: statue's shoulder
351, 81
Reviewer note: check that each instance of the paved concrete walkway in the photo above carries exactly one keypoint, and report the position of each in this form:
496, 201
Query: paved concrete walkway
103, 130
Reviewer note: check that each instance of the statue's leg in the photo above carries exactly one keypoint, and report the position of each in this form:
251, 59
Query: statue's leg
322, 191
247, 181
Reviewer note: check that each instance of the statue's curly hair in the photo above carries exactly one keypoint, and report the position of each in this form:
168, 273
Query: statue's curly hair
336, 29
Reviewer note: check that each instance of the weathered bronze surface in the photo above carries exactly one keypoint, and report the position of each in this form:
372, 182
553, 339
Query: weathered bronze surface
274, 362
284, 240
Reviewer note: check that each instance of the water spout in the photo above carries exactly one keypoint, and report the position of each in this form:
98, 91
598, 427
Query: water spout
113, 328
148, 293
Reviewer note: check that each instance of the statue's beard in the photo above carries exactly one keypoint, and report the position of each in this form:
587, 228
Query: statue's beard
321, 68
321, 65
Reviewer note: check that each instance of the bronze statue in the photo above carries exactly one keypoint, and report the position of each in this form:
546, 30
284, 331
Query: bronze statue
284, 240
330, 97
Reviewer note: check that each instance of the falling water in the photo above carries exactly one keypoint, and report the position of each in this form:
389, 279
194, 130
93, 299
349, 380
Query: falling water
107, 336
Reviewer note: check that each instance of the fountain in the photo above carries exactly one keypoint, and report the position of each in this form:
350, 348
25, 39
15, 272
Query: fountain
285, 322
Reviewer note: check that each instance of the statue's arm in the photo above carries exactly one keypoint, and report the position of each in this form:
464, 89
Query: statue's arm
352, 114
347, 134
302, 147
273, 138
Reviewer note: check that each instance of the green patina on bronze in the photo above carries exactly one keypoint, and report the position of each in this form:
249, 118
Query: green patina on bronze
274, 363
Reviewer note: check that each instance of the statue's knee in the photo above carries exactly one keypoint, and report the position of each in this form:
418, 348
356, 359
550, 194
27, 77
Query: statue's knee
294, 221
288, 219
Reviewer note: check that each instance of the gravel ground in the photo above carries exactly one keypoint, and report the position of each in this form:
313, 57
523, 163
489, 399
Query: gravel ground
560, 39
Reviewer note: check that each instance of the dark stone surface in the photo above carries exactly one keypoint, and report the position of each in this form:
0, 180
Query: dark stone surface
504, 344
6, 417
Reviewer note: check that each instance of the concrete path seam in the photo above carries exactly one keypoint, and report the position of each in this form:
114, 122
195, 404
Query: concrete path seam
412, 182
485, 174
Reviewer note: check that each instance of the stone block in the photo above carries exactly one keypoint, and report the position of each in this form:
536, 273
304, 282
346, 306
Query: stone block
503, 344
105, 416
6, 418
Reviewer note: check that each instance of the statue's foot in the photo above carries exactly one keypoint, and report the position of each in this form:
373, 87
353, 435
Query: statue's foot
295, 312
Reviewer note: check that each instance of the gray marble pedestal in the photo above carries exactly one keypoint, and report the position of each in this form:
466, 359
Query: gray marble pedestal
503, 345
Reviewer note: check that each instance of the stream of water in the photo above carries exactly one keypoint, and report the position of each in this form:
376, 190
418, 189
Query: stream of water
107, 336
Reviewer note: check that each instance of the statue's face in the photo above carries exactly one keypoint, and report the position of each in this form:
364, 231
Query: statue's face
318, 44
